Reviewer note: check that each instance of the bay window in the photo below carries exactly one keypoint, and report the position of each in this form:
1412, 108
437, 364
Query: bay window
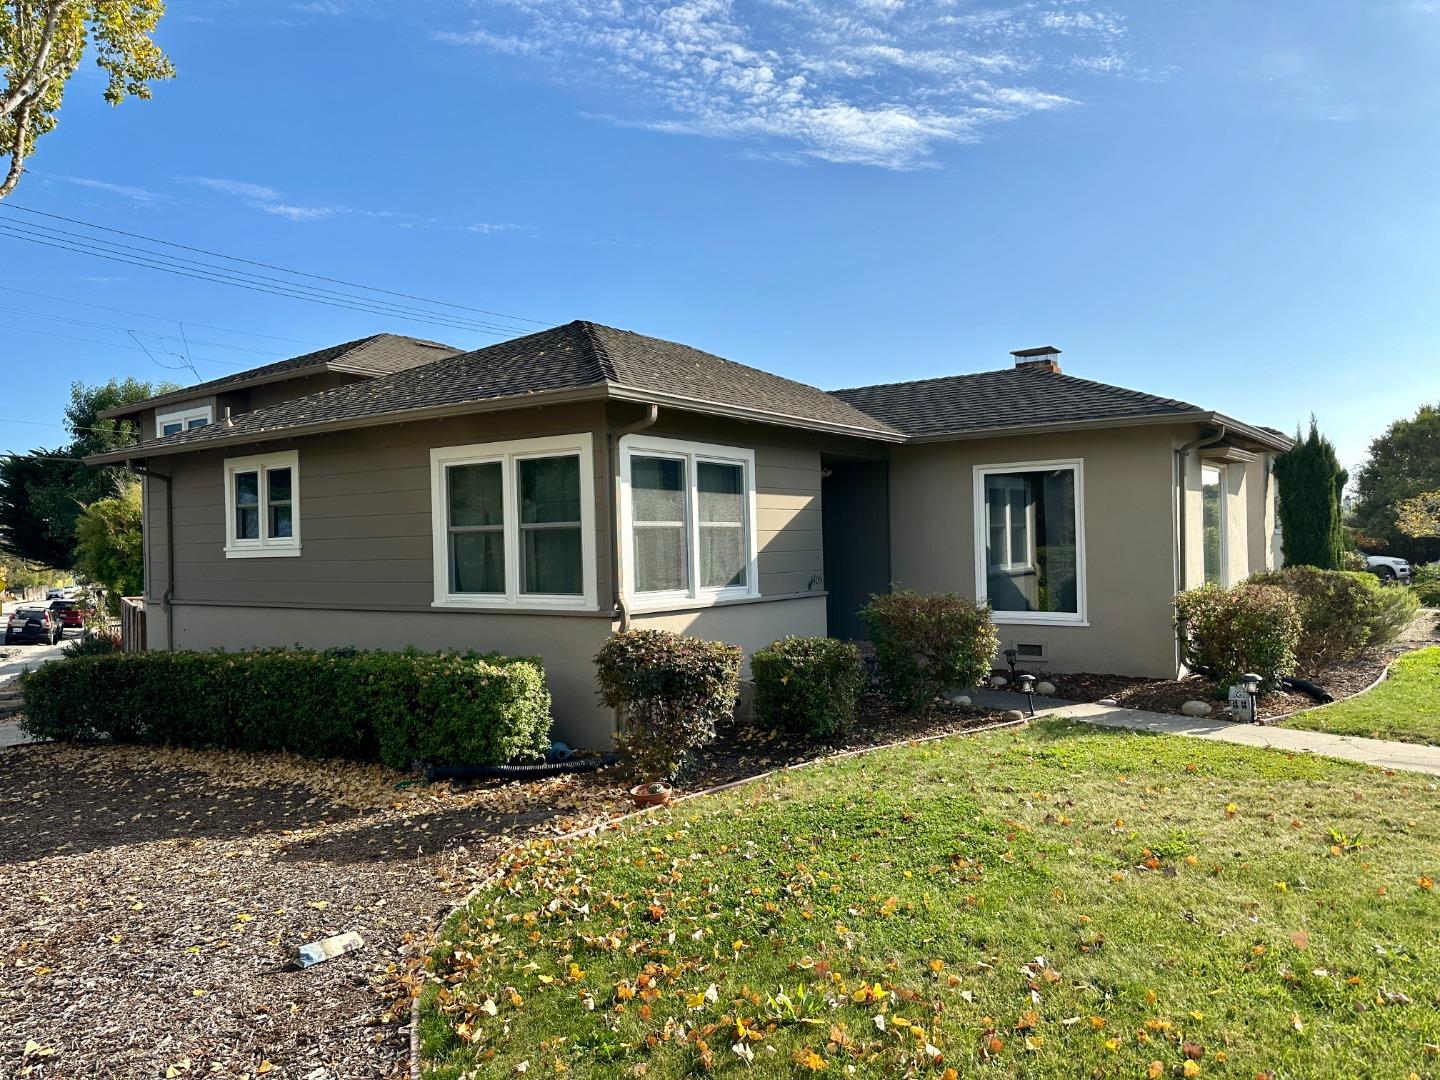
1030, 541
261, 505
514, 523
688, 521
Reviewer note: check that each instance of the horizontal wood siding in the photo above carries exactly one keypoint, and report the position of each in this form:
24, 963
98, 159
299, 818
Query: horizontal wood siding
364, 513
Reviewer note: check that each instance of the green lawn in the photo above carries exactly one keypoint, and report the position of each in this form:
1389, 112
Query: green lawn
1405, 707
1061, 901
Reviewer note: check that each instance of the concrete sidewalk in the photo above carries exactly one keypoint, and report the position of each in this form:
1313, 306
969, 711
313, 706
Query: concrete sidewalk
1406, 757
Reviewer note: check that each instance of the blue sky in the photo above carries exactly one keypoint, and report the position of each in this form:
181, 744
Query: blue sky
1227, 202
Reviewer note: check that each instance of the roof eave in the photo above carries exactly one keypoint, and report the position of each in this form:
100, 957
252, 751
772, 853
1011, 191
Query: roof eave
141, 452
619, 392
1194, 416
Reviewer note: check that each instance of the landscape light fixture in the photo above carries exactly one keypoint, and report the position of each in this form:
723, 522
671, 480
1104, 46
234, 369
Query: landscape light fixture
1027, 687
1010, 655
1250, 683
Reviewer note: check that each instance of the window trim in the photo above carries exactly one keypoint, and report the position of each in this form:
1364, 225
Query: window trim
265, 546
1222, 470
692, 453
509, 454
183, 417
1080, 617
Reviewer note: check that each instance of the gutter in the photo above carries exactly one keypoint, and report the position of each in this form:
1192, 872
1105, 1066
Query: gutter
166, 600
622, 605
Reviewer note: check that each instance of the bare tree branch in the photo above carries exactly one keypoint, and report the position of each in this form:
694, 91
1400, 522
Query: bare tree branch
32, 83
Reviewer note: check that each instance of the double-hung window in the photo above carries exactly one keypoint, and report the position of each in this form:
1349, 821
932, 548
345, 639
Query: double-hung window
1212, 501
1030, 541
186, 420
262, 505
688, 521
514, 523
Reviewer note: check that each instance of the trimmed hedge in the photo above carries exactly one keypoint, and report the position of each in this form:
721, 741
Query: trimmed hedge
669, 691
808, 685
1342, 613
927, 644
1246, 628
398, 707
1425, 582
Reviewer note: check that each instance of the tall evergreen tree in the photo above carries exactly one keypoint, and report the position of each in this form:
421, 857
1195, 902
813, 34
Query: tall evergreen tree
1310, 484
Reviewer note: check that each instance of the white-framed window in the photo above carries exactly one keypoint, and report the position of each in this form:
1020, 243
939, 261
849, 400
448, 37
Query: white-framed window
1213, 502
687, 517
1030, 541
262, 505
175, 422
513, 523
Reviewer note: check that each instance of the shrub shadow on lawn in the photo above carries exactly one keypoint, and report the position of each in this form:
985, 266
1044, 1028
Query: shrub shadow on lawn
48, 807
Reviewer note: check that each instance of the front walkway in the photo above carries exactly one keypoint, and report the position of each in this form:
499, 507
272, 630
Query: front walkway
1406, 757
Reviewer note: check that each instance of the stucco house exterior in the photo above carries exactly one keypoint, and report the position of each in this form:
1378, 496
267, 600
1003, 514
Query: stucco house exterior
536, 495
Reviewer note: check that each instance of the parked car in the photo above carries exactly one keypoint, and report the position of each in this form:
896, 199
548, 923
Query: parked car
1389, 568
35, 624
70, 613
54, 594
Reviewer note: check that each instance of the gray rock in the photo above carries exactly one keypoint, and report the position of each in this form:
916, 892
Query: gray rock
1045, 689
1014, 714
1197, 708
1108, 701
998, 681
957, 697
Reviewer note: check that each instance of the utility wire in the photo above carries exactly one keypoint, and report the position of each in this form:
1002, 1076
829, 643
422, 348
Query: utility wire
109, 344
271, 266
158, 318
68, 241
182, 337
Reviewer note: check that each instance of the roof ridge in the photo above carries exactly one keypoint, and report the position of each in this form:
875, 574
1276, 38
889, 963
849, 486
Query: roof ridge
608, 369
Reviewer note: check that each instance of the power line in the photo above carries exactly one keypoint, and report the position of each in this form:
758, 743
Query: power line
130, 330
158, 318
272, 266
125, 253
108, 344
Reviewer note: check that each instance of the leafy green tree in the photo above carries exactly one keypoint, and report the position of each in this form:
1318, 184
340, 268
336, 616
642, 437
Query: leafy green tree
43, 493
1310, 483
41, 45
1404, 464
108, 545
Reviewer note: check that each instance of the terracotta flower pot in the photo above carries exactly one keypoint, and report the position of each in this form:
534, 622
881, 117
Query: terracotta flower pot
652, 794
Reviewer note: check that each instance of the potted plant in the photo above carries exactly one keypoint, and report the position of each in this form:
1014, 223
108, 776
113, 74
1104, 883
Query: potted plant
652, 793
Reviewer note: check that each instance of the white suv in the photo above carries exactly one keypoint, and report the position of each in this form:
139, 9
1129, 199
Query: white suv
1389, 568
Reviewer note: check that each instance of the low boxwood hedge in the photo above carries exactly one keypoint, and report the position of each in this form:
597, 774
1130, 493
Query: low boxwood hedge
397, 707
808, 685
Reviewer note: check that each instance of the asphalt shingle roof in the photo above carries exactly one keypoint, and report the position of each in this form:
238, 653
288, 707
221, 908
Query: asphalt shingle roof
378, 354
989, 400
573, 356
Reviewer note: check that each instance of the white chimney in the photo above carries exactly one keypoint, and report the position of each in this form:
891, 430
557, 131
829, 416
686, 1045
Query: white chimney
1045, 358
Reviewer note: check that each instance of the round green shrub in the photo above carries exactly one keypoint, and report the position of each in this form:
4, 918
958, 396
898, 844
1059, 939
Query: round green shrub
808, 685
926, 644
1231, 632
668, 691
1342, 613
1425, 583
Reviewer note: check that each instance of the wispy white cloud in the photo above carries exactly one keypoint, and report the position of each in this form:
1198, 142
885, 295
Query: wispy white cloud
125, 191
242, 189
875, 82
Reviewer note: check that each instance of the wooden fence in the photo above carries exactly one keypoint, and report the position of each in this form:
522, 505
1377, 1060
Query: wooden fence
132, 623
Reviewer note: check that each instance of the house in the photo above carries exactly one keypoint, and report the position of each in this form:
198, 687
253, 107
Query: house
535, 495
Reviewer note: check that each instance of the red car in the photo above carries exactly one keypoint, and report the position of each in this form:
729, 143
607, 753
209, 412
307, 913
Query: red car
69, 612
35, 624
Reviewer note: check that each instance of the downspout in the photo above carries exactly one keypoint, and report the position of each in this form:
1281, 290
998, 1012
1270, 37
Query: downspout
1182, 455
169, 594
617, 568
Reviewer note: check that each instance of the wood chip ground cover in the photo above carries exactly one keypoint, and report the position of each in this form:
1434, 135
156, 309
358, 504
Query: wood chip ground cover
1060, 902
149, 898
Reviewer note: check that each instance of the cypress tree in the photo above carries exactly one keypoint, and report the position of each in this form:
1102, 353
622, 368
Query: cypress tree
1310, 484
